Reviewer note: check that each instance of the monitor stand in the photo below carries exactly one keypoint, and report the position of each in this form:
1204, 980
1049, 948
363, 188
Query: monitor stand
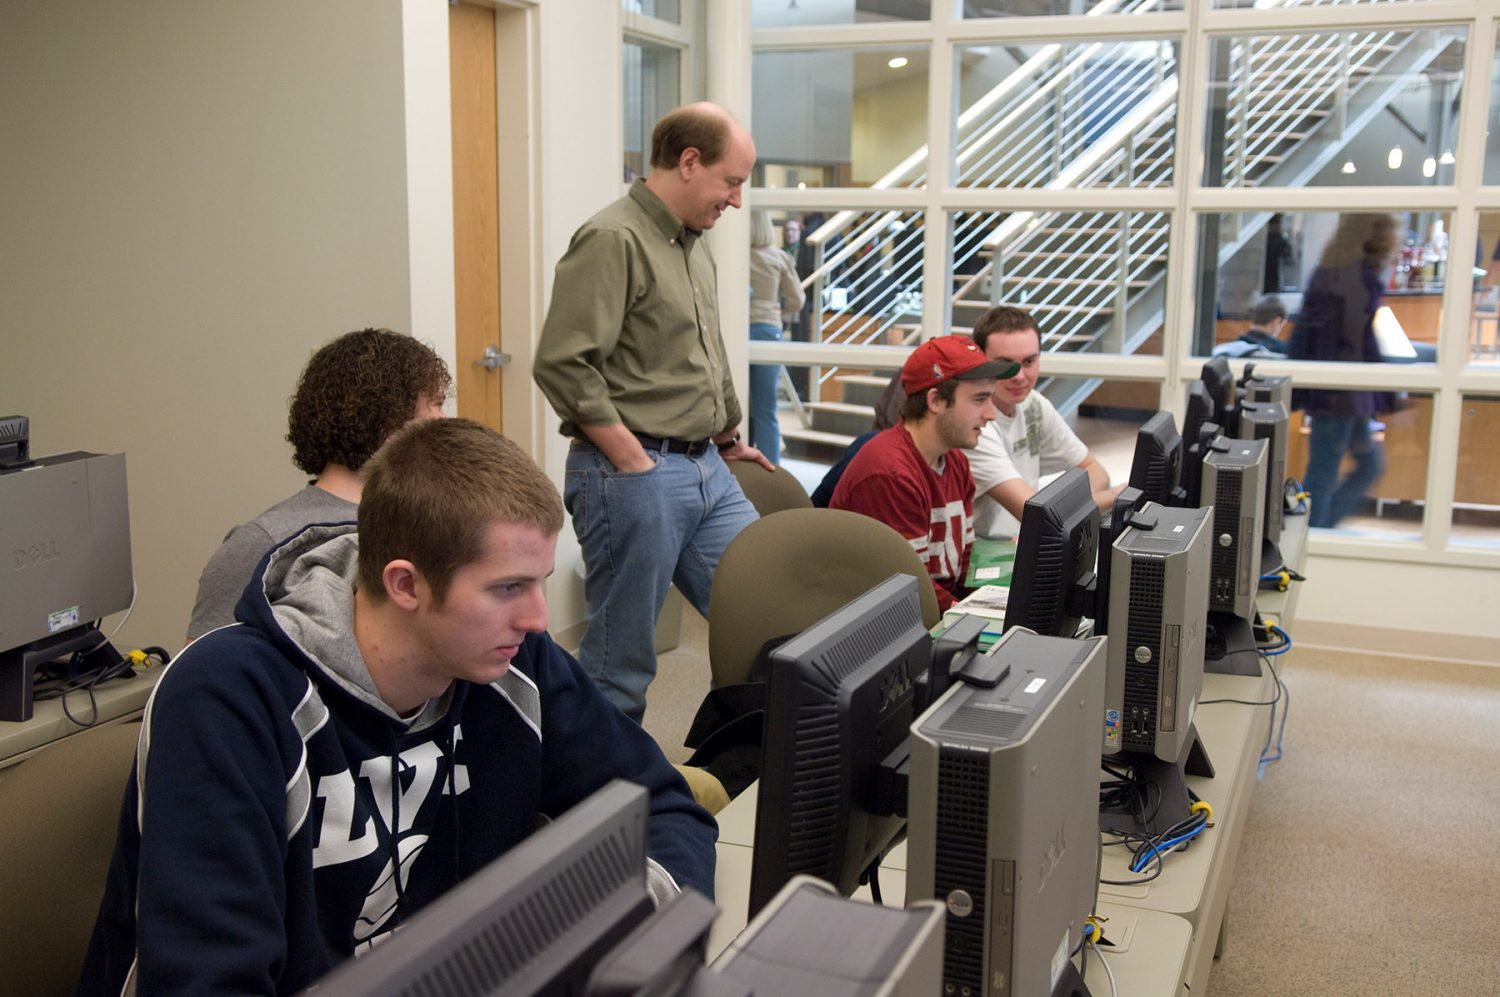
18, 666
1170, 779
1231, 648
1070, 983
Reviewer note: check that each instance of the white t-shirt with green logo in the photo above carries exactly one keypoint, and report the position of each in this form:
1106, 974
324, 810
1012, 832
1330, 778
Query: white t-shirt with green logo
1028, 445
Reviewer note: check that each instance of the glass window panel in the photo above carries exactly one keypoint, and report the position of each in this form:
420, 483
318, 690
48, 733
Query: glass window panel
801, 13
1085, 114
1484, 320
662, 10
1094, 280
1041, 8
1476, 492
1492, 133
838, 117
1365, 475
1261, 4
652, 88
1376, 107
1313, 264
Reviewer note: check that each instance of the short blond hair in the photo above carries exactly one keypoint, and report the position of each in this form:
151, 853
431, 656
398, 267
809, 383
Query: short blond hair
432, 492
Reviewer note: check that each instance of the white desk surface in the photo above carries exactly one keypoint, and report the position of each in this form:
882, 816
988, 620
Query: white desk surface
118, 701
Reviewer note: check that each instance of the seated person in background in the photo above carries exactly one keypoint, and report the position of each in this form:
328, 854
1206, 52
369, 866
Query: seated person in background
1028, 439
914, 476
887, 414
354, 393
391, 717
1263, 338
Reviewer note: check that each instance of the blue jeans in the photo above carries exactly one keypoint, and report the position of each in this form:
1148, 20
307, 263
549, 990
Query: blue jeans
765, 428
639, 533
1331, 437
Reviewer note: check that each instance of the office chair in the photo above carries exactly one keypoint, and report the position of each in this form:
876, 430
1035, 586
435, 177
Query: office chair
786, 572
782, 574
769, 491
61, 812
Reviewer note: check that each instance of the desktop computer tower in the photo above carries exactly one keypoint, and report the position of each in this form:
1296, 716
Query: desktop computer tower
1234, 481
1158, 594
1266, 388
1269, 421
1003, 814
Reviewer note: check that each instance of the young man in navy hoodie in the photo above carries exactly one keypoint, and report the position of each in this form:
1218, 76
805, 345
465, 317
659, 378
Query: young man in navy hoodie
388, 716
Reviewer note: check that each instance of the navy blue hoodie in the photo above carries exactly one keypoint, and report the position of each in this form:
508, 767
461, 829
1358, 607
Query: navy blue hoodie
273, 791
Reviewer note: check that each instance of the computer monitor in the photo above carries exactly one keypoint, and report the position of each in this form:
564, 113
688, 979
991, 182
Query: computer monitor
1219, 379
1157, 464
839, 700
1004, 813
1199, 410
1052, 584
536, 920
65, 530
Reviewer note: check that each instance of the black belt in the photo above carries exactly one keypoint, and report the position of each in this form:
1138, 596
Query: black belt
691, 448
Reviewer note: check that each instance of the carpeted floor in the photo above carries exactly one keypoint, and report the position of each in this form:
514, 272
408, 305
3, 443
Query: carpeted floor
1371, 863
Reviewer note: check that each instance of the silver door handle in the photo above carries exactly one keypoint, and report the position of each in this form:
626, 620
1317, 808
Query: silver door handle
493, 359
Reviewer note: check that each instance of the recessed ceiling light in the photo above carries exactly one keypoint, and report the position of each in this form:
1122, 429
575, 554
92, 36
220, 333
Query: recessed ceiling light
1394, 159
1429, 167
898, 62
1348, 166
1447, 157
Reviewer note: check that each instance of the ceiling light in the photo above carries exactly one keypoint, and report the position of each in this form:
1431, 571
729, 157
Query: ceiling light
801, 184
898, 62
1348, 166
1446, 158
1429, 167
1394, 159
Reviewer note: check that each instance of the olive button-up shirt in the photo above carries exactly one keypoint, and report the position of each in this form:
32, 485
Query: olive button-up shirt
632, 335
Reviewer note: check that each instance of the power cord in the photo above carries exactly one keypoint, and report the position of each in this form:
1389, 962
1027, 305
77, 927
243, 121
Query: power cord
61, 681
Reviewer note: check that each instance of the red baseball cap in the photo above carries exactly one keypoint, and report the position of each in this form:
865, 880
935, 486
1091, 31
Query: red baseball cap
947, 358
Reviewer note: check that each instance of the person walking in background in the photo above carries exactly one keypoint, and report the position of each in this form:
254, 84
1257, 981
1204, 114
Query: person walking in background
1337, 324
775, 295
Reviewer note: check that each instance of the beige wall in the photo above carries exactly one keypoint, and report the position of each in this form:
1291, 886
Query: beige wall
196, 195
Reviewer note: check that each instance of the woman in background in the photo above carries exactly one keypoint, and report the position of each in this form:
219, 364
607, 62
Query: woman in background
1337, 324
775, 294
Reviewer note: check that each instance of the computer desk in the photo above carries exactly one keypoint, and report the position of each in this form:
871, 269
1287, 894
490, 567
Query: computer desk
118, 701
1192, 893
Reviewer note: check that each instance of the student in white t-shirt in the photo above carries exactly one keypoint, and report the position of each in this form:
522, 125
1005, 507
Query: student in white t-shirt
1029, 439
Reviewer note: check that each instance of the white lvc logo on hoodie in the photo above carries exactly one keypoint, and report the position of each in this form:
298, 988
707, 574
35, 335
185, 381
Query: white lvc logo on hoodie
348, 832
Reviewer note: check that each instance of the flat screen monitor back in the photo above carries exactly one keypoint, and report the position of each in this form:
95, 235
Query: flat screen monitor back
1157, 464
1052, 584
840, 699
1219, 380
535, 920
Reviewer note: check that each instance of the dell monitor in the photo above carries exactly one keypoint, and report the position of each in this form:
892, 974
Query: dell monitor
1219, 379
535, 920
1004, 814
1157, 464
1052, 585
839, 700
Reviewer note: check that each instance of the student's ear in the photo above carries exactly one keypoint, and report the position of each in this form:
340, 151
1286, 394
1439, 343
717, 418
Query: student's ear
403, 584
935, 403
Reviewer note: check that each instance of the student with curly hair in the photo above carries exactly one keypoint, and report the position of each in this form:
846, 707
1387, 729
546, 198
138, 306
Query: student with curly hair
354, 393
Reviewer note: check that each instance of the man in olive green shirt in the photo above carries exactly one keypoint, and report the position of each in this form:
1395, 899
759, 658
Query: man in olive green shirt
632, 359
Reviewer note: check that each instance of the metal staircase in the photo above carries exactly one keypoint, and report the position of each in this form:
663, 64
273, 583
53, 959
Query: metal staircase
1096, 114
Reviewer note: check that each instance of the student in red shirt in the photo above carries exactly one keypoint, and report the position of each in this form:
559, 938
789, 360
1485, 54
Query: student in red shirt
914, 476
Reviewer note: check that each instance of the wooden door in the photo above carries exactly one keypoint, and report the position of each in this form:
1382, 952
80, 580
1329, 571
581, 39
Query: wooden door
476, 217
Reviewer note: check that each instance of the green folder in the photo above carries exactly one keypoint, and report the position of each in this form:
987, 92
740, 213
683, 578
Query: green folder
990, 562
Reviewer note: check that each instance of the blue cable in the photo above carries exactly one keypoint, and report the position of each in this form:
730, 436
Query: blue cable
1158, 851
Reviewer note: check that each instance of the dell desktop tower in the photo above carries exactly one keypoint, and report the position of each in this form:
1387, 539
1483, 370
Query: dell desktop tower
1234, 481
1003, 814
1269, 421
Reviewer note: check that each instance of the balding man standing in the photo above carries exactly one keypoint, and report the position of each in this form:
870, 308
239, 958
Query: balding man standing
632, 359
